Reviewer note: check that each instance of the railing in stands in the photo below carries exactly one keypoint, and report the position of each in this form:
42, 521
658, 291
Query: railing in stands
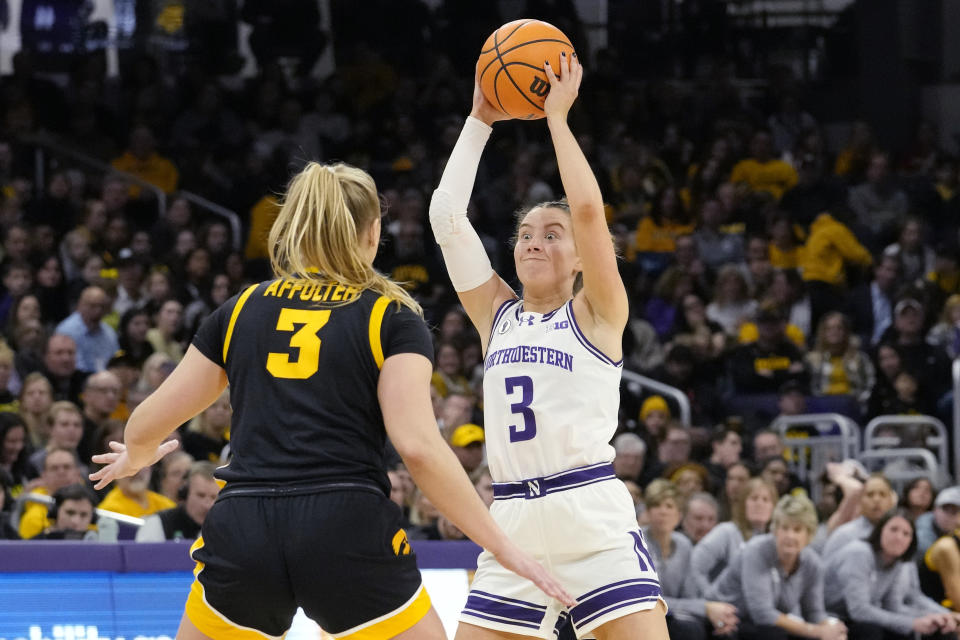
643, 382
43, 144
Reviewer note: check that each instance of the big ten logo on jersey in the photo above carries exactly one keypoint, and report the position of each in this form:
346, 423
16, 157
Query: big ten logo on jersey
558, 325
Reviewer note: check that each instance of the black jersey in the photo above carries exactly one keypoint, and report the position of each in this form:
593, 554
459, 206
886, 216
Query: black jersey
303, 370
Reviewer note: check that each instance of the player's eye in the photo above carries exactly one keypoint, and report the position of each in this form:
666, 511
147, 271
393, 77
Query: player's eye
551, 236
524, 236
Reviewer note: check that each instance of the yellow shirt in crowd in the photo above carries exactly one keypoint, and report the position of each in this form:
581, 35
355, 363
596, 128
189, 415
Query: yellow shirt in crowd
117, 502
155, 169
776, 177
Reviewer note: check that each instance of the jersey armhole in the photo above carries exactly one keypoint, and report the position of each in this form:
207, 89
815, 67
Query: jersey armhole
233, 319
501, 311
375, 327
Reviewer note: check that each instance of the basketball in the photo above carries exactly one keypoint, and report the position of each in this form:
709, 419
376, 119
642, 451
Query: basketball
510, 67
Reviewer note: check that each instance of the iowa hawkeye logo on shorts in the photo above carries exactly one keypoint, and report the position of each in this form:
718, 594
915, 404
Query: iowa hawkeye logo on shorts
401, 546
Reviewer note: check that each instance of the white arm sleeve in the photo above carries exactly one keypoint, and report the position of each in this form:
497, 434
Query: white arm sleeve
466, 259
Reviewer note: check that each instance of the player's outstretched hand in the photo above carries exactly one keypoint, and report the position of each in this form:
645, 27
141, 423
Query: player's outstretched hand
564, 86
482, 109
524, 565
117, 463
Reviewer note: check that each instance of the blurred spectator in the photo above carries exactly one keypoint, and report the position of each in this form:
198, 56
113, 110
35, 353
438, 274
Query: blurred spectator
171, 474
658, 230
130, 275
726, 446
870, 305
661, 309
95, 341
814, 191
731, 304
853, 159
132, 496
629, 454
716, 245
916, 258
883, 398
66, 432
208, 434
163, 337
8, 402
7, 530
288, 28
836, 365
155, 370
132, 335
830, 247
17, 280
670, 552
775, 471
423, 515
36, 396
72, 514
945, 335
765, 365
878, 203
788, 124
940, 522
142, 160
101, 396
917, 497
929, 365
448, 376
457, 409
467, 443
878, 498
692, 328
751, 513
14, 452
673, 451
60, 468
737, 477
184, 521
785, 247
762, 171
689, 478
51, 290
654, 419
700, 515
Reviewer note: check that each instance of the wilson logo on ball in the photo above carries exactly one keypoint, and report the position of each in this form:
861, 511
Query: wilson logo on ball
540, 87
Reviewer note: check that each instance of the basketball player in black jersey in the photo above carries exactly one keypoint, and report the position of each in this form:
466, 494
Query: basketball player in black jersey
323, 363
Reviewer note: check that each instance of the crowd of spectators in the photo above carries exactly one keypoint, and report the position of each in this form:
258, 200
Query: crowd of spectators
771, 269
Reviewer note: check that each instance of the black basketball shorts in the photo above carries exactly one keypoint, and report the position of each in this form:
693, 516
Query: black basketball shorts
341, 555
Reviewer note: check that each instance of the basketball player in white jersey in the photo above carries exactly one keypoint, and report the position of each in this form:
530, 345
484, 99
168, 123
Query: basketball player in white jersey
551, 394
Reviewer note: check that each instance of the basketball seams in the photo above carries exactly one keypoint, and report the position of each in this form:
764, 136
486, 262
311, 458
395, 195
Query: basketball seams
499, 54
517, 28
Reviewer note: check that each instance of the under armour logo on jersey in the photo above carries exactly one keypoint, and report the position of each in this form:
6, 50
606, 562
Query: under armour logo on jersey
526, 319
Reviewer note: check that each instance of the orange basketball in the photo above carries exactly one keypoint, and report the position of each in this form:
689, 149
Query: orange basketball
510, 67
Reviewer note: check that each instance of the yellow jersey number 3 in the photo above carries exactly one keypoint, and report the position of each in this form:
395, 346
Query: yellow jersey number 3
305, 339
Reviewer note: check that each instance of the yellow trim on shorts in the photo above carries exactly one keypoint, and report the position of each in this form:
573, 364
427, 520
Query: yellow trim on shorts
394, 623
233, 318
207, 619
376, 321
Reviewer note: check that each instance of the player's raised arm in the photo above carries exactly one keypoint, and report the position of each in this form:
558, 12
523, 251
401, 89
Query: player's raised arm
480, 290
602, 286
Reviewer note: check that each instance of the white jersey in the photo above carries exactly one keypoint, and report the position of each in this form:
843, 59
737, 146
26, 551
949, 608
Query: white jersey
550, 398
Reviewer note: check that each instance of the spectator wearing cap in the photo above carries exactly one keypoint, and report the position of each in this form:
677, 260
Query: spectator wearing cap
130, 275
467, 444
764, 365
940, 522
96, 341
870, 305
928, 364
830, 247
654, 416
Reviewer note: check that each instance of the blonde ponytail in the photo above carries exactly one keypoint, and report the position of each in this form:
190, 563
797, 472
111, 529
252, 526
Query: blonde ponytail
316, 236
